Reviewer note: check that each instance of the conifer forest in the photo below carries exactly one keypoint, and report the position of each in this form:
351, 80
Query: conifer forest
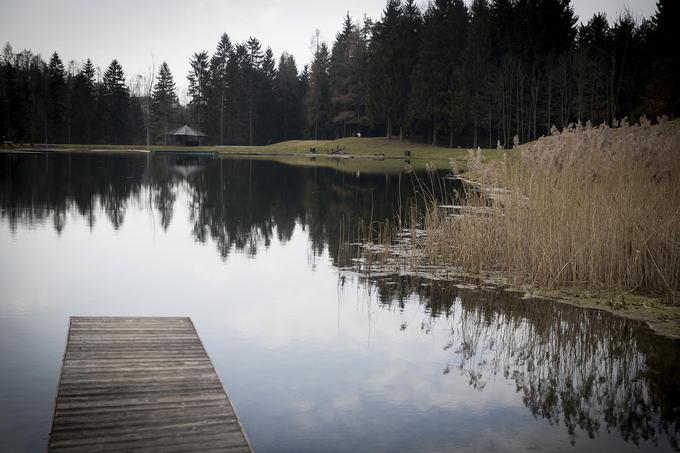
451, 73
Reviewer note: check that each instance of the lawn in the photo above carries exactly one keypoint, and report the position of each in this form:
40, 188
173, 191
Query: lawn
346, 152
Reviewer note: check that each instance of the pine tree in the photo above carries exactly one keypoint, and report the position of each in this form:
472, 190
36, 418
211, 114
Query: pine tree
219, 84
116, 103
56, 106
8, 101
288, 94
409, 38
318, 99
431, 74
199, 88
304, 88
253, 72
83, 95
477, 62
237, 87
264, 95
348, 76
343, 87
458, 89
164, 103
623, 33
385, 87
663, 92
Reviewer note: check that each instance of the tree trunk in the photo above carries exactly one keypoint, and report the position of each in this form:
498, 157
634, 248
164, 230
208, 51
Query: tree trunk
535, 95
474, 132
489, 132
250, 124
549, 103
434, 134
222, 119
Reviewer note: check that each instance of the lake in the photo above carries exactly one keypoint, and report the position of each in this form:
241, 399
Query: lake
314, 356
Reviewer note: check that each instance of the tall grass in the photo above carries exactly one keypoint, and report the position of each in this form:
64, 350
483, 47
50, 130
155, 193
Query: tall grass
592, 207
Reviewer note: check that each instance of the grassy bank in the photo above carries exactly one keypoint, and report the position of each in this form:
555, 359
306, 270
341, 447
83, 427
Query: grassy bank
593, 211
358, 147
386, 153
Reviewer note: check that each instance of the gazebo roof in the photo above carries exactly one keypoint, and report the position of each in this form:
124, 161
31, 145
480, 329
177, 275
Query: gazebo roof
187, 132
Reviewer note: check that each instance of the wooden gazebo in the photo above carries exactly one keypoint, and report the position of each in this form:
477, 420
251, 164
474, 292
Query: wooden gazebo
186, 136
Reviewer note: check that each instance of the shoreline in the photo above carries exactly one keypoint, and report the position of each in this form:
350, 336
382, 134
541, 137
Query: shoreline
255, 152
349, 147
660, 318
348, 162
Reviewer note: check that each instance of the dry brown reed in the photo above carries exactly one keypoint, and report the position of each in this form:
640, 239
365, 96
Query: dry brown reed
591, 207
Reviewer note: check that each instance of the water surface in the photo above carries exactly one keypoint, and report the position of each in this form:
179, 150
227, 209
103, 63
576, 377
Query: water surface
314, 357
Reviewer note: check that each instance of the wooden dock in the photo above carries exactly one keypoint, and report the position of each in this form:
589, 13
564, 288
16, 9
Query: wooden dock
141, 384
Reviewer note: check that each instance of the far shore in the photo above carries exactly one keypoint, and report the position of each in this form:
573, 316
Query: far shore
352, 147
348, 154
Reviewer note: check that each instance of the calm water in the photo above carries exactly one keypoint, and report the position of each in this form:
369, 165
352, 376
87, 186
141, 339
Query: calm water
314, 358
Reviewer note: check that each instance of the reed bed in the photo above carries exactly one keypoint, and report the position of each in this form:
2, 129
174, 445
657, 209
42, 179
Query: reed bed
590, 207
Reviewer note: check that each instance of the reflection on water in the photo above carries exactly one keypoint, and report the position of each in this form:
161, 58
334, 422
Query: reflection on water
584, 369
314, 357
238, 204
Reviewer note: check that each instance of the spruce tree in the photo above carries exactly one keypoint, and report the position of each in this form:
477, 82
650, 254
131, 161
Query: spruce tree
264, 95
238, 68
199, 89
384, 53
458, 89
56, 107
164, 103
8, 98
409, 38
663, 92
253, 75
593, 47
428, 104
318, 105
477, 66
116, 102
288, 95
349, 77
343, 86
83, 93
219, 85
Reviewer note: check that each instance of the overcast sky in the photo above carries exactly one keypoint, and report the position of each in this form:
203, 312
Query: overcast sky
139, 31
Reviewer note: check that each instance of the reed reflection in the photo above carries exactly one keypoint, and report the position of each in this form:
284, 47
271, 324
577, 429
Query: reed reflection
585, 370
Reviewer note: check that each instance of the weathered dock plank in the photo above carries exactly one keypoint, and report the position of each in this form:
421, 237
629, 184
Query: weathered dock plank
141, 384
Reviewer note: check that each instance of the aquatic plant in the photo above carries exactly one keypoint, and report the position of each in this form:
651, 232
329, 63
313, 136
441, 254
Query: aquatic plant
591, 207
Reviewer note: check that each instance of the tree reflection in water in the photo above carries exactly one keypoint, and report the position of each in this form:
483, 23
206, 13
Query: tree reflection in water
240, 205
585, 369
